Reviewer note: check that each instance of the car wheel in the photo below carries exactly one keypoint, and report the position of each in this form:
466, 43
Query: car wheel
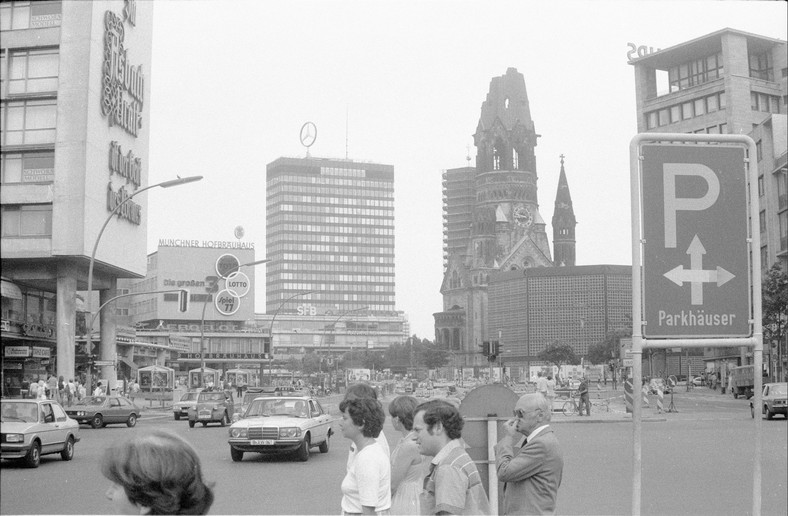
303, 450
237, 455
225, 419
177, 417
752, 411
324, 445
204, 424
97, 421
769, 413
68, 451
132, 420
191, 424
33, 457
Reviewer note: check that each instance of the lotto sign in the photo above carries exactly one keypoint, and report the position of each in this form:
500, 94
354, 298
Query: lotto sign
226, 264
238, 283
695, 250
227, 303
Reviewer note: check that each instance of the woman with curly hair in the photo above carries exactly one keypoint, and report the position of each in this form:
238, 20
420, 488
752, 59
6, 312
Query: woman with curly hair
155, 473
366, 488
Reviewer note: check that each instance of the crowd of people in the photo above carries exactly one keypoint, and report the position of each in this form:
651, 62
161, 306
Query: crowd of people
428, 471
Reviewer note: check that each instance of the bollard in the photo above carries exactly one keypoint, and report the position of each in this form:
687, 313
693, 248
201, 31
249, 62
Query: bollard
660, 396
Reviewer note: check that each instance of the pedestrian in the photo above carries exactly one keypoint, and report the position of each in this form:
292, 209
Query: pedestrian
584, 397
33, 389
82, 391
550, 389
453, 484
541, 384
155, 473
408, 466
363, 390
533, 475
70, 390
42, 390
61, 389
52, 387
99, 390
366, 488
25, 387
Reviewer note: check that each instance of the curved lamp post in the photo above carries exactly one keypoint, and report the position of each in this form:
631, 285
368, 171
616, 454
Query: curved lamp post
333, 329
214, 289
271, 332
164, 184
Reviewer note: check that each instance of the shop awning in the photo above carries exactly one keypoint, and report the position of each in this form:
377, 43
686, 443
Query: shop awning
10, 289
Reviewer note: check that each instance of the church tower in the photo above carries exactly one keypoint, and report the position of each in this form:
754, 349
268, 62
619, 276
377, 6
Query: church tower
564, 223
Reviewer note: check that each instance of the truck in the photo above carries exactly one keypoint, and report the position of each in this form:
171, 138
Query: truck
742, 381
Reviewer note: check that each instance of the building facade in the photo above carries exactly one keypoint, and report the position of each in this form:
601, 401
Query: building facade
491, 216
733, 82
75, 129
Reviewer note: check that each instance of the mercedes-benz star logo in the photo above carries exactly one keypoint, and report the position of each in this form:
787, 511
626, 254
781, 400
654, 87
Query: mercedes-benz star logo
308, 134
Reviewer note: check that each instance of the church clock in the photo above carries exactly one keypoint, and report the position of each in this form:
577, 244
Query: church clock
523, 217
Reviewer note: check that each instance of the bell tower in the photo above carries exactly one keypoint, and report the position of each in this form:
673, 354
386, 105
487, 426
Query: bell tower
564, 223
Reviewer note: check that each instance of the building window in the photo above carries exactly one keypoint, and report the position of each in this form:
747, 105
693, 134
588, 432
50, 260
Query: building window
686, 111
695, 72
723, 128
651, 120
764, 103
761, 66
782, 189
700, 107
663, 117
675, 114
762, 221
712, 103
783, 218
29, 15
760, 186
29, 122
38, 167
515, 160
33, 71
764, 258
759, 150
27, 220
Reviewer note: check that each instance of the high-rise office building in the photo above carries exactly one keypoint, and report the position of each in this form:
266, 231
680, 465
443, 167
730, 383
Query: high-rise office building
330, 230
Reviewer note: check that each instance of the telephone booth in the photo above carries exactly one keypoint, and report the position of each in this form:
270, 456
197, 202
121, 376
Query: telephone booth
156, 378
210, 376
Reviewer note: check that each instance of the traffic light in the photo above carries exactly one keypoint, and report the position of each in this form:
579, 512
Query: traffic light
267, 345
496, 348
485, 348
183, 300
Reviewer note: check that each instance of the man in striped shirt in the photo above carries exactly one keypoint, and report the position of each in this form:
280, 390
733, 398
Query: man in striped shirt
453, 485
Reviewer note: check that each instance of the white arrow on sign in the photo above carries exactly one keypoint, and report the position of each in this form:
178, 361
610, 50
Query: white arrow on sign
695, 275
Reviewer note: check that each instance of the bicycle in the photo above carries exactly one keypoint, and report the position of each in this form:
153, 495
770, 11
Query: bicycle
571, 406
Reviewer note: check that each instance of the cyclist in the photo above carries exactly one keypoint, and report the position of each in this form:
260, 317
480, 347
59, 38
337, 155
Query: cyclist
584, 399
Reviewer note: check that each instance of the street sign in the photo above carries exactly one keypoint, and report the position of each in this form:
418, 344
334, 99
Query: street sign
238, 283
696, 279
227, 303
102, 363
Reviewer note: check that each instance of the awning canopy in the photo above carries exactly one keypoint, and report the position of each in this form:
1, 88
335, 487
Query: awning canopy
10, 289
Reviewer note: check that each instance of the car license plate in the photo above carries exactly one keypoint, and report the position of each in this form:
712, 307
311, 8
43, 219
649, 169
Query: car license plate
205, 416
262, 442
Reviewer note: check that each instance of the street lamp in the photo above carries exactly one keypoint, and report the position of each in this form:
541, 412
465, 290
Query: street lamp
213, 290
271, 332
333, 329
103, 353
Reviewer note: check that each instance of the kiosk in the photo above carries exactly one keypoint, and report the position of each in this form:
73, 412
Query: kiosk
156, 378
210, 376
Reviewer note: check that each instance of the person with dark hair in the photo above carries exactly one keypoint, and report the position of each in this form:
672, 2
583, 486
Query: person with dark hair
532, 476
366, 488
364, 390
155, 473
408, 466
453, 484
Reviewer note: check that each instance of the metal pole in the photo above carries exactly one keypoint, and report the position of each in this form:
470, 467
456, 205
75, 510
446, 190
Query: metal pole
637, 344
271, 335
164, 184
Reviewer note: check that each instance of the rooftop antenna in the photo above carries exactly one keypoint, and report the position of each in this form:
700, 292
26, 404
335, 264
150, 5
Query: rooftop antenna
346, 128
468, 154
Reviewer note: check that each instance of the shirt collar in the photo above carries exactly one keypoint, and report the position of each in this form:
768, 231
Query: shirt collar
536, 432
447, 448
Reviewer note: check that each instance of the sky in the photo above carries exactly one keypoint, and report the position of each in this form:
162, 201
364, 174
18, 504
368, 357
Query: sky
402, 83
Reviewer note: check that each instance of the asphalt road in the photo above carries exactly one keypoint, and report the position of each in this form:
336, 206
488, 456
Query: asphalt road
695, 462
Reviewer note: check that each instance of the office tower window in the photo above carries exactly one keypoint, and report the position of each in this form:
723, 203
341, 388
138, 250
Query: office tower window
695, 72
782, 189
762, 221
29, 15
27, 220
759, 150
760, 186
686, 111
29, 167
675, 114
700, 107
33, 71
761, 66
764, 258
651, 120
783, 217
663, 117
29, 122
764, 103
712, 103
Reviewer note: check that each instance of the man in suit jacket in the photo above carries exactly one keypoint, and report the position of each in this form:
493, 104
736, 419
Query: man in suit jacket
532, 476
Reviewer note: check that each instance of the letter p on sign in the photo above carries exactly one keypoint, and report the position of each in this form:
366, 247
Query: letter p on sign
674, 203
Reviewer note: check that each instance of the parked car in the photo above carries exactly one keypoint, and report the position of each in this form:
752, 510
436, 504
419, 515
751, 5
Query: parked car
182, 406
100, 411
697, 381
774, 400
212, 407
32, 428
275, 424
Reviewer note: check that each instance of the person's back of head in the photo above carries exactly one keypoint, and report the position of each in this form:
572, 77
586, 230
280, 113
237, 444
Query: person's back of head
360, 390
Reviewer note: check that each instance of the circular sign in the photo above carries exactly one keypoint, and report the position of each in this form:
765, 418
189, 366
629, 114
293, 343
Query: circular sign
238, 283
226, 265
308, 134
227, 303
239, 232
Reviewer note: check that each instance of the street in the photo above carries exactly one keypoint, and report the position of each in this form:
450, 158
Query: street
697, 461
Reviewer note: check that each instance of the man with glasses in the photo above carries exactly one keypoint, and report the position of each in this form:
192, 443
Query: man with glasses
532, 476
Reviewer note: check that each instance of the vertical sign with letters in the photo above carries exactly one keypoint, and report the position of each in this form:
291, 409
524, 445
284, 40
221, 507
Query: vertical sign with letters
696, 279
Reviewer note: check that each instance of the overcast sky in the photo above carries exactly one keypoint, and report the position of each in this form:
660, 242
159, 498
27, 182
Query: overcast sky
402, 83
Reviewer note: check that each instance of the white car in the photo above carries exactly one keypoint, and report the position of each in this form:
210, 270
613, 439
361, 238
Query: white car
32, 428
281, 424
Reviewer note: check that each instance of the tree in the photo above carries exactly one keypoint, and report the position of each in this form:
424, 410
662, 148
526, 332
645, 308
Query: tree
558, 353
774, 295
608, 348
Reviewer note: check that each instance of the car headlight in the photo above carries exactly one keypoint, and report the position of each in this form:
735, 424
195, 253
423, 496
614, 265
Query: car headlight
15, 438
80, 413
238, 433
289, 433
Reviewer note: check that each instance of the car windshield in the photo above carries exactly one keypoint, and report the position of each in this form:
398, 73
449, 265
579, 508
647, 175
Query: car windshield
778, 390
94, 400
16, 411
210, 396
190, 396
292, 407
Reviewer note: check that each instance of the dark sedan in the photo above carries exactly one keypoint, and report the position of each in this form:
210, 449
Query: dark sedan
100, 411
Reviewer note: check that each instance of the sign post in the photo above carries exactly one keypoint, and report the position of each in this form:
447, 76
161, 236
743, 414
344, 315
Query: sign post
696, 286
